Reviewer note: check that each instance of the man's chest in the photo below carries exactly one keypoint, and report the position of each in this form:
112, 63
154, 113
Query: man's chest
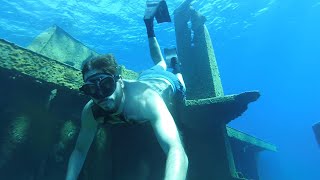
136, 109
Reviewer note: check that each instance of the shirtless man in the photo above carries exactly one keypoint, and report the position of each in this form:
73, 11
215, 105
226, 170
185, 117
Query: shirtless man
133, 101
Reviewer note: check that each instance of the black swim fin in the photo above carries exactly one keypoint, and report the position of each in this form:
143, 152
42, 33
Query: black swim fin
157, 9
172, 59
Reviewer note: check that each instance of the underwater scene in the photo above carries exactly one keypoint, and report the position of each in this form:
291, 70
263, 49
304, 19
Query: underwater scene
155, 89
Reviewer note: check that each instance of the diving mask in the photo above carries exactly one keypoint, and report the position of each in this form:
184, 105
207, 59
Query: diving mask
100, 85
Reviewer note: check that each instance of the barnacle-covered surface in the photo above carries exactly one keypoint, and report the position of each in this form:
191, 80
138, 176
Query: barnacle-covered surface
249, 140
218, 109
128, 74
16, 135
42, 68
199, 65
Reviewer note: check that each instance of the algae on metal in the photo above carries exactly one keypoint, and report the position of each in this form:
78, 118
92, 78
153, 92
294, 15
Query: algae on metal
224, 109
195, 50
246, 138
207, 109
42, 68
208, 101
57, 44
128, 74
17, 134
68, 131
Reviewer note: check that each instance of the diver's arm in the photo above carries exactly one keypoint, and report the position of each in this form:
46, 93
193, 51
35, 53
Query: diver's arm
168, 137
85, 138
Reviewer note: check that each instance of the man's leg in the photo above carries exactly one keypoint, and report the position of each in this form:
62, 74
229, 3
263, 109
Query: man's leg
156, 54
175, 65
155, 51
154, 47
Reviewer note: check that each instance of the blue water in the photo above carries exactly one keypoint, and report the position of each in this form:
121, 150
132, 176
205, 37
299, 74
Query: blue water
267, 45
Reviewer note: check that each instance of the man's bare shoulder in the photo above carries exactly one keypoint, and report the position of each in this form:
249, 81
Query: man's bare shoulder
134, 87
139, 89
87, 108
87, 118
140, 98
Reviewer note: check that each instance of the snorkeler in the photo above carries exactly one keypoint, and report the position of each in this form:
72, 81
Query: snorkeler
115, 100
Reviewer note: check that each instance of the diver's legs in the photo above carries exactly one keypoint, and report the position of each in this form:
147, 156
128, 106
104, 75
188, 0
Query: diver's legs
180, 78
154, 47
175, 65
156, 53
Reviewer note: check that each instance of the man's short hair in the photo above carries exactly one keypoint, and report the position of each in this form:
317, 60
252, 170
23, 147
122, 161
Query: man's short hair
106, 63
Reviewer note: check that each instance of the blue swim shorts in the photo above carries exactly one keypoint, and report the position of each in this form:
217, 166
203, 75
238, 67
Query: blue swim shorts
157, 72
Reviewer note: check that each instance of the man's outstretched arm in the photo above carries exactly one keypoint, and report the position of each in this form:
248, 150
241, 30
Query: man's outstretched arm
168, 137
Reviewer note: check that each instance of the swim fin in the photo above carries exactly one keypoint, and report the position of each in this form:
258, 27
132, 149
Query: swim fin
172, 59
157, 9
